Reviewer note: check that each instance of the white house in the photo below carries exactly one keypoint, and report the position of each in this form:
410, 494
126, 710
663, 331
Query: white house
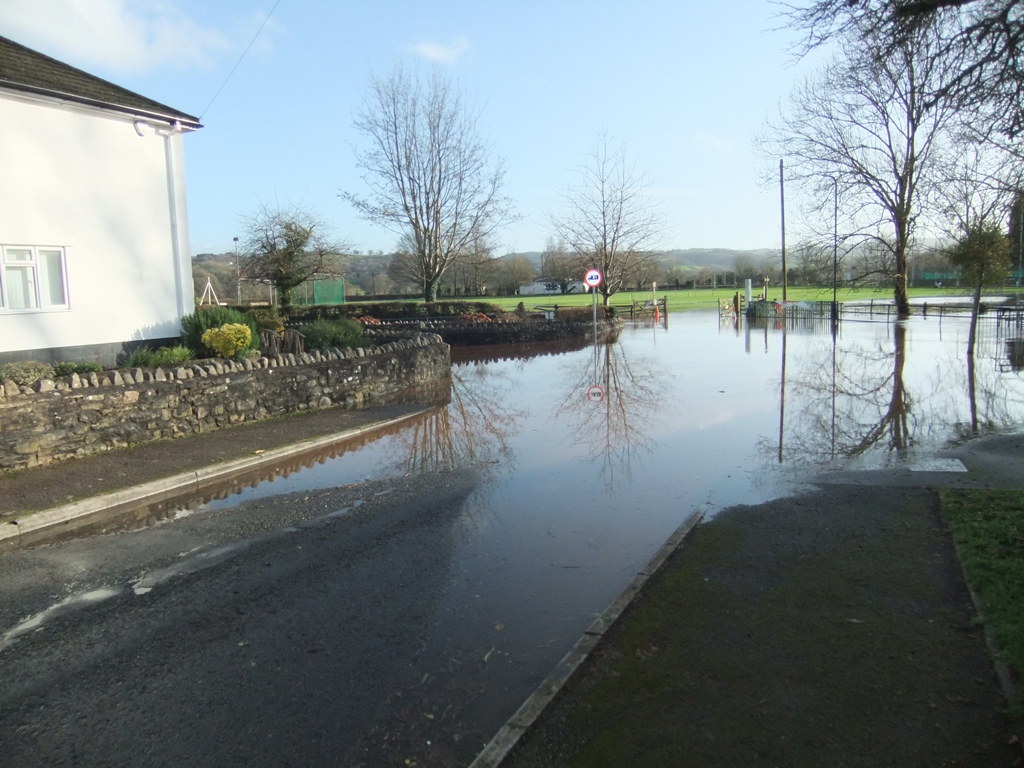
545, 286
94, 247
540, 287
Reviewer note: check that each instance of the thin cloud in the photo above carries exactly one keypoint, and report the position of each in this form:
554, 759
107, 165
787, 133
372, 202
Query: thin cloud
118, 35
442, 54
713, 142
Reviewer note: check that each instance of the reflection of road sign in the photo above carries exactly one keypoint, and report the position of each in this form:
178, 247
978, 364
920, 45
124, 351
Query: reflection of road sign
595, 394
593, 278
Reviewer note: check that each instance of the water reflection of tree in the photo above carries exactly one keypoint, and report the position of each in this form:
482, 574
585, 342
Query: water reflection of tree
887, 397
474, 429
613, 430
995, 401
851, 402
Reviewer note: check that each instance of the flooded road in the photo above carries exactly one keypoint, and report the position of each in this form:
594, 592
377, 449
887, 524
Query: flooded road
582, 485
583, 461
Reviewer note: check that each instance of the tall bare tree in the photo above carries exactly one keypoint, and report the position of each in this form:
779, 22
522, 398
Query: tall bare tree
516, 270
287, 246
560, 265
609, 219
983, 38
864, 130
431, 176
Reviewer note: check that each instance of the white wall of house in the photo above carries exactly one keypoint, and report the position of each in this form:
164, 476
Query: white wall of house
84, 182
540, 288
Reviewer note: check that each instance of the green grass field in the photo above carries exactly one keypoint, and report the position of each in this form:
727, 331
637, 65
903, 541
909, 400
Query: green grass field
708, 298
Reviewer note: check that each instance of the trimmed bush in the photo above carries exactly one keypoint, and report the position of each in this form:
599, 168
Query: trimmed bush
461, 308
582, 314
340, 332
26, 373
61, 370
394, 310
229, 340
199, 322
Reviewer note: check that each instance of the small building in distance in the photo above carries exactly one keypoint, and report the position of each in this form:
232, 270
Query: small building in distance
545, 286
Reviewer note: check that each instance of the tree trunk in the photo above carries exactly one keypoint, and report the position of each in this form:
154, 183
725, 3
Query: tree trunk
971, 333
430, 287
900, 286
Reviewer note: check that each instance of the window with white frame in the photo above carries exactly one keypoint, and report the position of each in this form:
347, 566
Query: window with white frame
32, 278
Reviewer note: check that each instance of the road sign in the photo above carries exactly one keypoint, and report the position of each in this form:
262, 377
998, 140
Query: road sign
595, 394
593, 278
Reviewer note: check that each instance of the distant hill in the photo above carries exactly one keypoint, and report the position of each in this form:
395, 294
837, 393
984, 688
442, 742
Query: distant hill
721, 259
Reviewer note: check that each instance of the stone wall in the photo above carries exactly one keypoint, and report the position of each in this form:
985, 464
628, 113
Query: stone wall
87, 414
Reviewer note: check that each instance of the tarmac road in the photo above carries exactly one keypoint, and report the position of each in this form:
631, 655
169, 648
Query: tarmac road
281, 633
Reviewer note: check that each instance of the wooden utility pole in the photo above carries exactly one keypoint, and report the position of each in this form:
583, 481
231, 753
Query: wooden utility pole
782, 204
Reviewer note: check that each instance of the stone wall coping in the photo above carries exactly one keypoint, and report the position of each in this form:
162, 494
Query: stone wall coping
193, 369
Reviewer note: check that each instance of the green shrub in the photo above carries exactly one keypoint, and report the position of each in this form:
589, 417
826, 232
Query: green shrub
229, 340
267, 319
140, 357
384, 310
172, 355
26, 373
460, 308
144, 357
583, 314
199, 322
61, 370
393, 310
340, 332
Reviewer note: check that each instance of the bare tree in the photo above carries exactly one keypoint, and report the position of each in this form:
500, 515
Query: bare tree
744, 267
977, 183
814, 261
863, 130
609, 219
983, 38
431, 176
287, 246
560, 265
479, 261
516, 271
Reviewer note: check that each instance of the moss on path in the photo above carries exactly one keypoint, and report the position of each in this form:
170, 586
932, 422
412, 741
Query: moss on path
829, 629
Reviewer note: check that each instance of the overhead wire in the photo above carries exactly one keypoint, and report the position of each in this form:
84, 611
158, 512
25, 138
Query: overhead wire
240, 59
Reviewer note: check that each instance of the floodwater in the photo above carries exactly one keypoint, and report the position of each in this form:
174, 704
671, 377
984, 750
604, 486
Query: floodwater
592, 457
697, 413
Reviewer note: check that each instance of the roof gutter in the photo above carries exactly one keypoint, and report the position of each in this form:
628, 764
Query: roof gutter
187, 122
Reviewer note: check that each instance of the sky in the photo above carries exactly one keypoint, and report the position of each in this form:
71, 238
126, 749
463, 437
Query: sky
683, 85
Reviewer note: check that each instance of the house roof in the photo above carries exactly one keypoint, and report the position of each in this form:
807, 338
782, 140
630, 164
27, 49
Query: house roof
28, 71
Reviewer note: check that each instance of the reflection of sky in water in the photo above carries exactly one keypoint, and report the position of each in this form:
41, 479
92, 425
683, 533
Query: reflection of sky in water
691, 415
354, 466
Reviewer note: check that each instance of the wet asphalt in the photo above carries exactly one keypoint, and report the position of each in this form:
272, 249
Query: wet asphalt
285, 633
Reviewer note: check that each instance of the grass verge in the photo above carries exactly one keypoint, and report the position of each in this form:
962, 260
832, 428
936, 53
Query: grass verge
988, 527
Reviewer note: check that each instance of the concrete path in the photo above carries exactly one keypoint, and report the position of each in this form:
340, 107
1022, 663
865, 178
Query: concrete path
833, 628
